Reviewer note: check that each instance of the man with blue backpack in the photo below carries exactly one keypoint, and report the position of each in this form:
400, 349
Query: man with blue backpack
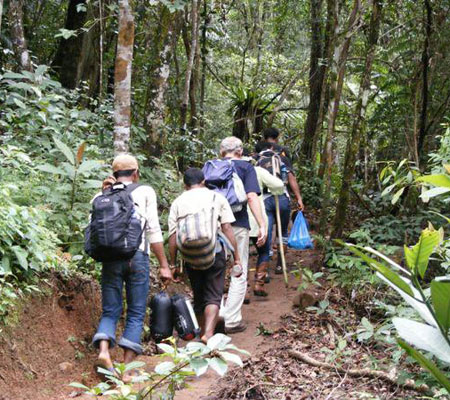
236, 179
124, 223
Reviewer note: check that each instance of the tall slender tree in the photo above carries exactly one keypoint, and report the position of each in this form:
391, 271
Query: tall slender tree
18, 35
336, 79
317, 68
1, 14
354, 139
159, 72
190, 63
122, 78
426, 55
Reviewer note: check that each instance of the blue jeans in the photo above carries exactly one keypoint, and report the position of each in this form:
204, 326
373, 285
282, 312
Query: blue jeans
135, 274
285, 212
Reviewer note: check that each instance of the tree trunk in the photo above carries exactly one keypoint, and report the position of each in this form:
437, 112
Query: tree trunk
18, 36
194, 80
354, 140
122, 78
425, 66
316, 79
337, 71
1, 14
203, 53
76, 59
159, 75
190, 65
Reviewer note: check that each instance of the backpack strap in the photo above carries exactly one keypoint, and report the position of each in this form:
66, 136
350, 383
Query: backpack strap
131, 187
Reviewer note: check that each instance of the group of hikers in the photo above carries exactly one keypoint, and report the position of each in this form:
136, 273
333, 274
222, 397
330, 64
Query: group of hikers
229, 204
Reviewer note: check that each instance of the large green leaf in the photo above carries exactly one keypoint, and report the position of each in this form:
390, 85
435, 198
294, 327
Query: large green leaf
381, 268
218, 365
65, 150
51, 169
436, 180
426, 363
417, 257
165, 368
440, 295
199, 365
437, 191
424, 337
218, 341
87, 166
231, 357
21, 255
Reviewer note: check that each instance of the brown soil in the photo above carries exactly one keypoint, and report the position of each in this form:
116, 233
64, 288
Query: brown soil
53, 329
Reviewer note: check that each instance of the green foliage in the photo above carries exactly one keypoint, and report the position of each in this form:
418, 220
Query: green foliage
398, 177
34, 106
194, 359
306, 277
70, 197
26, 242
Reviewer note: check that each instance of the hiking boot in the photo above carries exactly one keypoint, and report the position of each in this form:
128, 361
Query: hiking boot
278, 270
267, 278
241, 327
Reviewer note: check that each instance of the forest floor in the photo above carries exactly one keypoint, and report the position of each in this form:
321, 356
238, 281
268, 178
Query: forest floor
49, 347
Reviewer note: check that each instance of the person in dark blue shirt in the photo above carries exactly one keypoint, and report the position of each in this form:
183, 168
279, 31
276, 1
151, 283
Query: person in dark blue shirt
231, 148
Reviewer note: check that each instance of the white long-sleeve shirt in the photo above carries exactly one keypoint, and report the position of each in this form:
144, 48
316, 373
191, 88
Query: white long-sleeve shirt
144, 198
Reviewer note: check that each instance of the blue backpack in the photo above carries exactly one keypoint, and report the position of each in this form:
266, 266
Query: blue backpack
221, 176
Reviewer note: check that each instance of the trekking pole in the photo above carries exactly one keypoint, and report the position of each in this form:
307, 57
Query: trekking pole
275, 169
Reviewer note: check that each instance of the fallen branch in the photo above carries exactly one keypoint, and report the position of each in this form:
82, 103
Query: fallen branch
384, 376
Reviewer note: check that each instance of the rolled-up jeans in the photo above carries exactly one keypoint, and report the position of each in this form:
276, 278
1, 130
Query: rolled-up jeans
135, 274
231, 311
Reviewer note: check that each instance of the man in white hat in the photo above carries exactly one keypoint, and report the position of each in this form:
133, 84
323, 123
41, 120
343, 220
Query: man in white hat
134, 273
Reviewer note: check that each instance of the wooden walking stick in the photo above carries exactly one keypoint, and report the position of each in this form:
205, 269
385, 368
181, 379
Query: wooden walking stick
276, 168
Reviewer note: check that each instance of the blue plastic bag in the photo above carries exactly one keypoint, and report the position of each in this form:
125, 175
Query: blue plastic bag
299, 238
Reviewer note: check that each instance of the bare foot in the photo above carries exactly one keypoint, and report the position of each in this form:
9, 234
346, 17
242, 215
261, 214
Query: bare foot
104, 360
205, 338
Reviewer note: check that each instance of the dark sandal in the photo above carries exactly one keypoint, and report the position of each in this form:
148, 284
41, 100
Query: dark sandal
260, 293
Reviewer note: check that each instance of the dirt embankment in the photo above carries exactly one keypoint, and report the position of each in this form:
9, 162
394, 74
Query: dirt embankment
50, 345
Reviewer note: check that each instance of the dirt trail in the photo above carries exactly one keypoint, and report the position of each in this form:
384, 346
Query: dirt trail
49, 347
266, 312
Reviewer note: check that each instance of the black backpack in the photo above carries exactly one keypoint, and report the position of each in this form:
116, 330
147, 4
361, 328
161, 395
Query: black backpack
266, 160
115, 230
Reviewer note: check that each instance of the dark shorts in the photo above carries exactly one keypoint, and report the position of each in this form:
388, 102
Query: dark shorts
208, 284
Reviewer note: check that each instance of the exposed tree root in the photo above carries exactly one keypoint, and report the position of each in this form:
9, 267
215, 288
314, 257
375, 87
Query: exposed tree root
356, 372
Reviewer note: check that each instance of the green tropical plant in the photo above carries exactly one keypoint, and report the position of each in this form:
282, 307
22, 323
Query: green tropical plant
193, 359
431, 304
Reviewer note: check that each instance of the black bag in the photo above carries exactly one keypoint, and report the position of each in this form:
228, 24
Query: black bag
161, 326
184, 318
266, 160
115, 230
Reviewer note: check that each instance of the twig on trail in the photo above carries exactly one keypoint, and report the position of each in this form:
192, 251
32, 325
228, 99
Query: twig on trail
337, 387
359, 372
332, 335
